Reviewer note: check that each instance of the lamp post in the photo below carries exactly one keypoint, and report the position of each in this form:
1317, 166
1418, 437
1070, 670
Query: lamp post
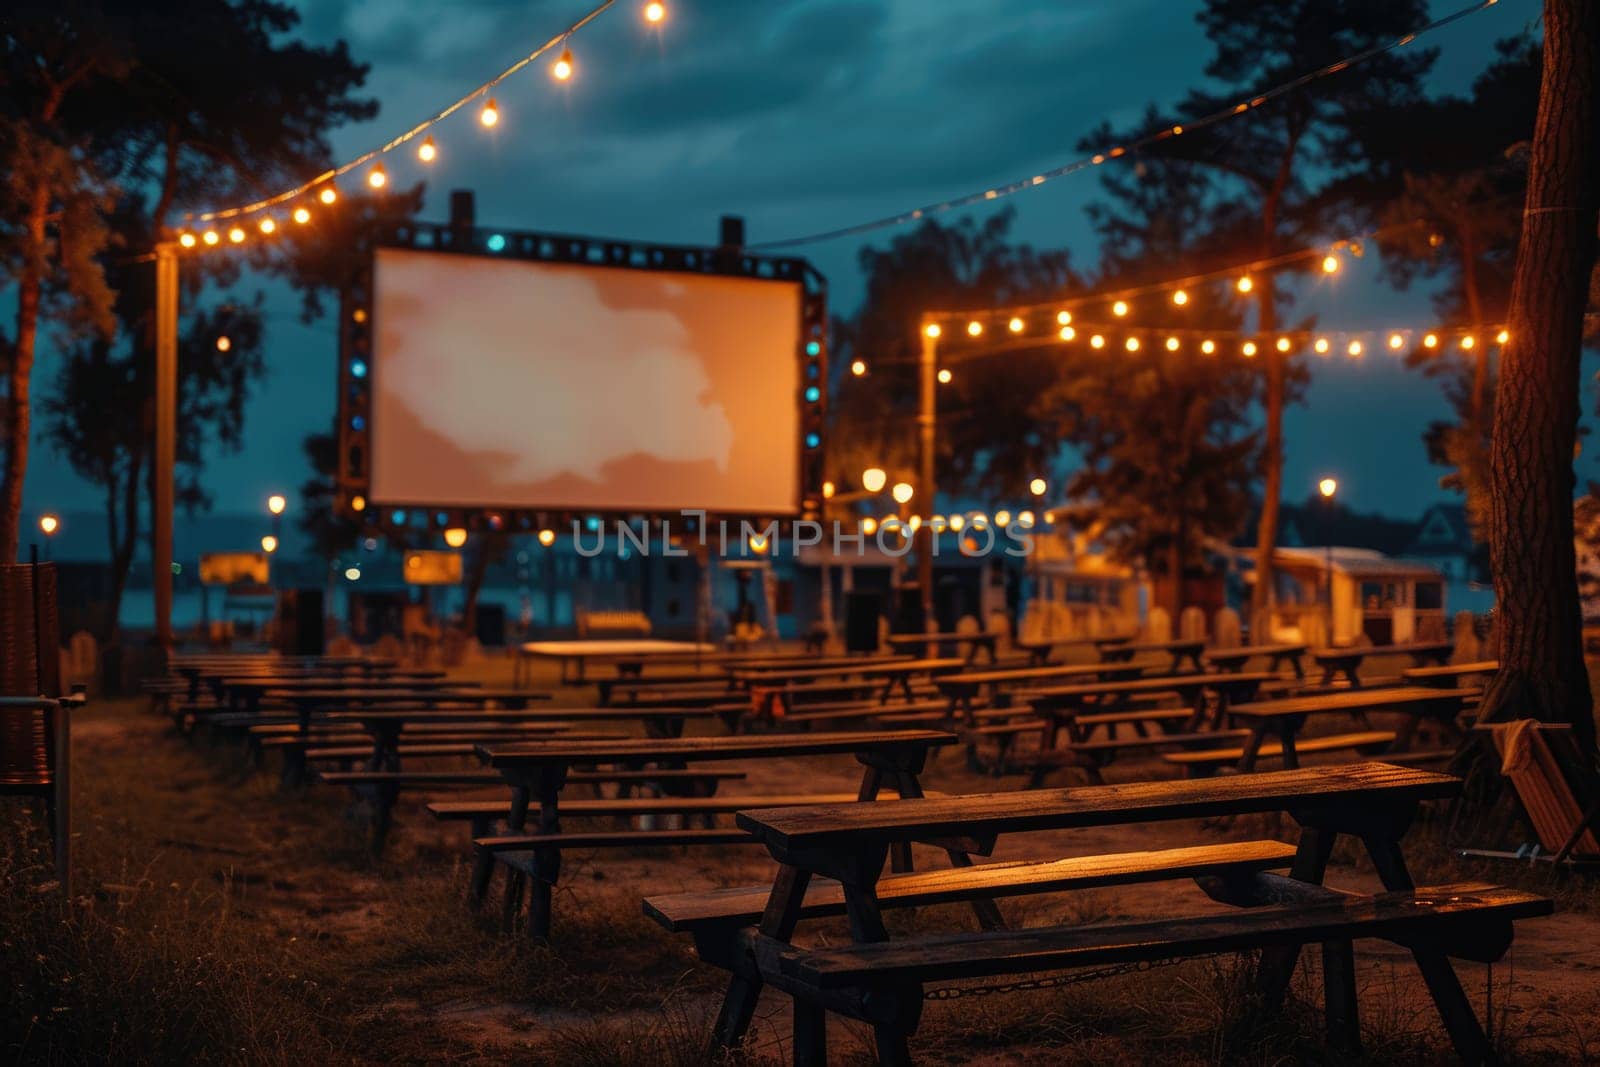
1327, 487
48, 525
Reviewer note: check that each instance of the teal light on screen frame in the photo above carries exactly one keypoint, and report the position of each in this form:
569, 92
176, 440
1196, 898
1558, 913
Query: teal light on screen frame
399, 518
813, 349
497, 242
813, 394
812, 440
358, 369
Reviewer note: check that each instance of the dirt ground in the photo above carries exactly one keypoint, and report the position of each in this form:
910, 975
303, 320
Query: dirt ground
218, 918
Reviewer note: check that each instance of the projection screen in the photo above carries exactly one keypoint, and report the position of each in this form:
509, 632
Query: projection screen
505, 383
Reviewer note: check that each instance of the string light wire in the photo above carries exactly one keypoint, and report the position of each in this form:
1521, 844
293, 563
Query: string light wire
1243, 106
420, 128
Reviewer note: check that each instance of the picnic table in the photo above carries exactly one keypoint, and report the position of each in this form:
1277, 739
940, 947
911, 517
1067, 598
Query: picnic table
537, 771
985, 640
1040, 649
1285, 719
772, 690
1346, 660
576, 654
1113, 650
960, 689
246, 693
1234, 659
884, 984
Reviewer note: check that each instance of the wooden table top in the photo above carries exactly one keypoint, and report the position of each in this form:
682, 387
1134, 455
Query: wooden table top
835, 662
868, 670
448, 715
1453, 670
423, 698
927, 639
1023, 674
826, 825
534, 753
1115, 644
1067, 642
1397, 698
601, 647
1165, 683
1359, 651
437, 681
1251, 651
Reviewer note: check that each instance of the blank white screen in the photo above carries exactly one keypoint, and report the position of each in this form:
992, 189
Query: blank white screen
509, 383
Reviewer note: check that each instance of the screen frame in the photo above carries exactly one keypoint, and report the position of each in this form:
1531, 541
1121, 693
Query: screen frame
357, 368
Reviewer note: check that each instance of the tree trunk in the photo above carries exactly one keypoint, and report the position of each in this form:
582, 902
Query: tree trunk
1262, 597
488, 546
19, 409
1542, 673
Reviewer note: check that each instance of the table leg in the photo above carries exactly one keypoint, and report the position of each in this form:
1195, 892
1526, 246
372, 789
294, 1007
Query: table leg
1277, 964
1252, 748
1287, 728
1340, 1013
546, 861
777, 921
483, 863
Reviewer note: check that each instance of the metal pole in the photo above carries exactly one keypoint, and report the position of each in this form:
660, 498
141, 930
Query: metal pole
166, 437
927, 415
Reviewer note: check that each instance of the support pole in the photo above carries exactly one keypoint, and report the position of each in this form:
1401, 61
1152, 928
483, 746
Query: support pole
166, 452
927, 414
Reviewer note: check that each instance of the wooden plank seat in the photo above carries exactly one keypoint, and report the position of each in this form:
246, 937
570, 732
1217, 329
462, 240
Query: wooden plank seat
1200, 762
883, 983
714, 911
1449, 675
847, 711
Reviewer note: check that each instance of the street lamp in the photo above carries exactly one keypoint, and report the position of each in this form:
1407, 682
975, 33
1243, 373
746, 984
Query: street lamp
455, 536
48, 525
276, 503
1327, 487
1038, 486
269, 543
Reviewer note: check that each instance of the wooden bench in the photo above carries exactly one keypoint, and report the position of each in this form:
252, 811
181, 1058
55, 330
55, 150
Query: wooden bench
1201, 762
985, 641
537, 771
1039, 649
1235, 659
1347, 660
1184, 649
1450, 675
880, 981
963, 688
1285, 718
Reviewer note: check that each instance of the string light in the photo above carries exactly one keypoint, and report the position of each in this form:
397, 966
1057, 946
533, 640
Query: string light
236, 235
1249, 349
490, 113
858, 368
1064, 318
1120, 308
1430, 340
561, 69
187, 240
1468, 341
377, 178
547, 537
1208, 346
655, 12
1355, 348
1244, 285
1068, 333
869, 525
1396, 342
224, 343
1180, 297
1131, 344
1502, 337
328, 195
1321, 346
945, 376
1172, 344
1330, 264
427, 151
1097, 341
267, 225
1016, 325
974, 328
302, 216
1284, 344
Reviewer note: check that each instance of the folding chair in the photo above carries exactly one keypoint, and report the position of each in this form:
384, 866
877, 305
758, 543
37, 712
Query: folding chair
1564, 826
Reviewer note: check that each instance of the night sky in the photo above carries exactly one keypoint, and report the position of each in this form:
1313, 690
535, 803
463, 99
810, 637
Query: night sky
802, 115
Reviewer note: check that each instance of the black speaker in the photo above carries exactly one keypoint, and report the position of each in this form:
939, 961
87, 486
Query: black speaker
300, 622
862, 609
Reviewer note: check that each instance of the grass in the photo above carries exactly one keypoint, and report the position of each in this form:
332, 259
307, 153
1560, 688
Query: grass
218, 920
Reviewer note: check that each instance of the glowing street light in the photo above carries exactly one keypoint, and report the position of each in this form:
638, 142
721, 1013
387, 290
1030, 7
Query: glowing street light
49, 524
1327, 487
269, 544
276, 503
873, 479
1037, 487
455, 536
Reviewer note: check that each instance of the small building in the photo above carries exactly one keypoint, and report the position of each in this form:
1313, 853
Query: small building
1385, 599
1444, 540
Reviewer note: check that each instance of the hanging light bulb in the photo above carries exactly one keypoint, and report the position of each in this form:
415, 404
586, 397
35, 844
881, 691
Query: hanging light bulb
1284, 344
1120, 308
236, 235
187, 240
1468, 341
1097, 341
858, 368
1208, 346
933, 330
224, 343
267, 225
1068, 333
1249, 349
561, 69
869, 525
974, 328
377, 178
1172, 344
328, 195
1245, 284
490, 113
945, 376
211, 237
1321, 346
655, 12
1180, 298
1396, 341
1016, 325
1131, 344
1430, 340
427, 151
1063, 318
302, 216
1355, 348
1502, 337
1330, 264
